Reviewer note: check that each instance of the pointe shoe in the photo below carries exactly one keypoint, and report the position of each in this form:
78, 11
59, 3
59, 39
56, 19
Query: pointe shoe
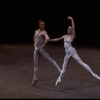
34, 81
96, 76
58, 80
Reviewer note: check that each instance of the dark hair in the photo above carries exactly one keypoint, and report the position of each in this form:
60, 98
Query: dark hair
41, 20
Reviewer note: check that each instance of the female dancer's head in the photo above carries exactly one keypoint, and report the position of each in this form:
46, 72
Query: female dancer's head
69, 30
41, 24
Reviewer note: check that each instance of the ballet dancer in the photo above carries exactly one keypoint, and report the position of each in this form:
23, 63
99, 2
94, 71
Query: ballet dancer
41, 38
71, 51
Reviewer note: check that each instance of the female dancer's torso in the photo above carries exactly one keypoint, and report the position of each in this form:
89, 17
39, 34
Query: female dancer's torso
69, 49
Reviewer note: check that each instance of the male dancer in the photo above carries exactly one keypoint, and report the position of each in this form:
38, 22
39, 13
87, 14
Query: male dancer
41, 38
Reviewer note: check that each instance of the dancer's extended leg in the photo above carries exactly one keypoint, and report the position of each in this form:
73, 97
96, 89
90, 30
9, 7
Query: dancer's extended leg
46, 55
77, 58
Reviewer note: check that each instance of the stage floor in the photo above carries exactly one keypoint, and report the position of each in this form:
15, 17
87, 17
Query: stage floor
16, 72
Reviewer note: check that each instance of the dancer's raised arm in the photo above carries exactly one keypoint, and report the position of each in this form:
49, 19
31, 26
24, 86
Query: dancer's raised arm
73, 25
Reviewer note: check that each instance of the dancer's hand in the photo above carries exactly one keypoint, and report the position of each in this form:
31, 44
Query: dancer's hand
69, 17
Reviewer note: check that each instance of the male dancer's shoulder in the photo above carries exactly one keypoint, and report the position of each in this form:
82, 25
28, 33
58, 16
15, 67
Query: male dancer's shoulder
44, 32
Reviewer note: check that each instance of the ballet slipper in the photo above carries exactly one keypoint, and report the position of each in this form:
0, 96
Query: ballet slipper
58, 80
96, 76
34, 81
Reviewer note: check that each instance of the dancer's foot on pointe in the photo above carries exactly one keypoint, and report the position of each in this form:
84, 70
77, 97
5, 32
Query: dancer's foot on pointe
96, 76
34, 81
58, 80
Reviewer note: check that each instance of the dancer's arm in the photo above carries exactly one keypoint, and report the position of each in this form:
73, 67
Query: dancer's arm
47, 39
57, 39
73, 25
34, 38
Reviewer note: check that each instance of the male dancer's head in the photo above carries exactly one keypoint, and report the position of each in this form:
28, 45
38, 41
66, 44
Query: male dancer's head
41, 24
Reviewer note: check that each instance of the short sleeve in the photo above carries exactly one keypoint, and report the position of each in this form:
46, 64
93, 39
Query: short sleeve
35, 32
44, 32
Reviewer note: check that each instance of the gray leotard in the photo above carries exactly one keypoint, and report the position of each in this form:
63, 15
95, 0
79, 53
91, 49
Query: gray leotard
69, 50
39, 40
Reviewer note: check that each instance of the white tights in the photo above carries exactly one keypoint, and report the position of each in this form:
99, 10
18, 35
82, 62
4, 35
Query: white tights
78, 59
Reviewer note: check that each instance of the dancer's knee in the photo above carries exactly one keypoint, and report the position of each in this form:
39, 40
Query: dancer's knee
82, 63
52, 61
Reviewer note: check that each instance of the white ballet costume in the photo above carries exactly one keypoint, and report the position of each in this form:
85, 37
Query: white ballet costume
71, 52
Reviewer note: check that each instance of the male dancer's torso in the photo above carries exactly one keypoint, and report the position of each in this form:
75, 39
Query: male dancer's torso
39, 39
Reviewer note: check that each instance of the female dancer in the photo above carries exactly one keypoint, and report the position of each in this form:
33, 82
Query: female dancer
71, 51
41, 38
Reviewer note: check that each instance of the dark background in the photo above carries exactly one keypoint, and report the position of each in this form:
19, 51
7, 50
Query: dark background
18, 19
